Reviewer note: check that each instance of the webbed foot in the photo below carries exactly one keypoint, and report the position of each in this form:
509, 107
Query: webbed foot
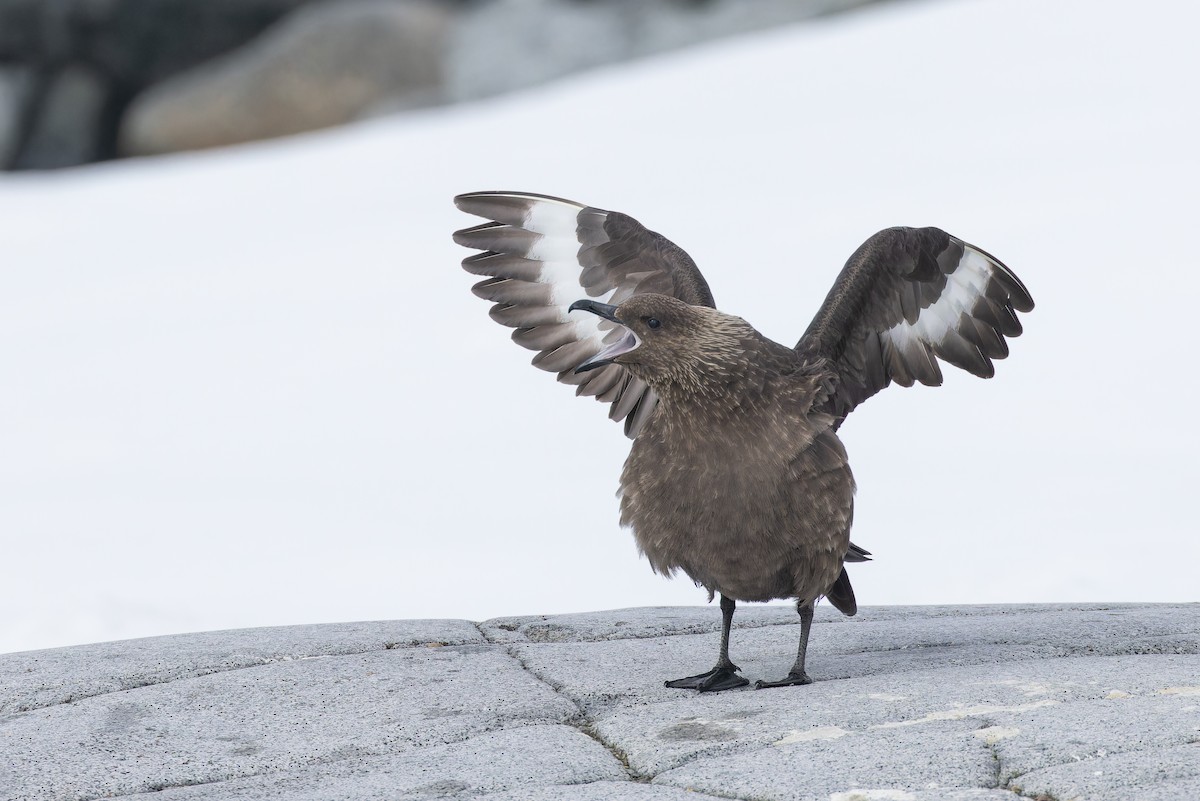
719, 678
791, 680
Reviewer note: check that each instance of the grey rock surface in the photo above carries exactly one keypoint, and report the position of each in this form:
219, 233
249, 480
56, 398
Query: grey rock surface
276, 718
325, 65
45, 678
599, 791
529, 757
1166, 774
910, 704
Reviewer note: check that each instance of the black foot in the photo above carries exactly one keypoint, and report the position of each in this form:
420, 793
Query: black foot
792, 679
719, 678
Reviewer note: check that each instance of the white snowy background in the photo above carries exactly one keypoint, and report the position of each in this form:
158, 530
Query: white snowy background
251, 387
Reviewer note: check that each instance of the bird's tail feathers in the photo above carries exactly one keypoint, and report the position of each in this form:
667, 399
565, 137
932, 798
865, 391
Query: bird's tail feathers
841, 595
857, 554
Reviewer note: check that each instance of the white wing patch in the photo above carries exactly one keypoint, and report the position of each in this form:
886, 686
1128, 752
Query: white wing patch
939, 326
558, 250
554, 217
531, 251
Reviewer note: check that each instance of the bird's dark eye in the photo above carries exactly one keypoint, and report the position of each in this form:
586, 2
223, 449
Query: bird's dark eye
652, 322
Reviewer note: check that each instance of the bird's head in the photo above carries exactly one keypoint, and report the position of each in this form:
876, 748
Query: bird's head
665, 342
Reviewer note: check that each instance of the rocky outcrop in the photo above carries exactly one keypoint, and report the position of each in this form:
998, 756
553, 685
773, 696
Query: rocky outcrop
102, 53
71, 106
323, 66
981, 703
15, 86
102, 78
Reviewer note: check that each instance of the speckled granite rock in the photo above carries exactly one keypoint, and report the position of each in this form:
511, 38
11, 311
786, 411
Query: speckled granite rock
910, 704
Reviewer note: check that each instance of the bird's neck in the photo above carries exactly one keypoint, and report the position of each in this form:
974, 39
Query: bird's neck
774, 385
717, 391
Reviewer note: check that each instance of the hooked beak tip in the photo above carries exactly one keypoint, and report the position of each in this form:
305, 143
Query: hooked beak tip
605, 310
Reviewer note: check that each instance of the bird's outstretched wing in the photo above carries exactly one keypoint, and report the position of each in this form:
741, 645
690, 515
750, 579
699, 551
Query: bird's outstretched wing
544, 253
907, 298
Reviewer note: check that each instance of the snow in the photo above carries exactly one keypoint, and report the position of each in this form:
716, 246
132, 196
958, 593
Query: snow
251, 387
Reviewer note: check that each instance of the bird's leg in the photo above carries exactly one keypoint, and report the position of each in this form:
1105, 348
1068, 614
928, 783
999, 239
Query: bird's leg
797, 674
724, 676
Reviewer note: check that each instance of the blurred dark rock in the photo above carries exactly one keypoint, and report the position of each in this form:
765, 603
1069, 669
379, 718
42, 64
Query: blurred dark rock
324, 65
16, 84
86, 80
122, 46
134, 41
62, 133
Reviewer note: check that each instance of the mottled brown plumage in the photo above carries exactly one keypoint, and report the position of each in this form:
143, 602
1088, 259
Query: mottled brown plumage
735, 420
736, 475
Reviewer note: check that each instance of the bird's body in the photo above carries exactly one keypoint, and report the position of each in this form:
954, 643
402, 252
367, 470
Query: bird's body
736, 481
736, 475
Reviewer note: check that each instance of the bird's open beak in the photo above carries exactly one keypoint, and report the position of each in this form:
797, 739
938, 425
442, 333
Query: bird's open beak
626, 343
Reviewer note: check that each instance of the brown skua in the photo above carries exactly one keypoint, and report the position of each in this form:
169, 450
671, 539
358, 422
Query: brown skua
736, 475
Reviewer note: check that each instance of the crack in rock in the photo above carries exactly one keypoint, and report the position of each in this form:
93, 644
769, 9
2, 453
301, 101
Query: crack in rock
582, 722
